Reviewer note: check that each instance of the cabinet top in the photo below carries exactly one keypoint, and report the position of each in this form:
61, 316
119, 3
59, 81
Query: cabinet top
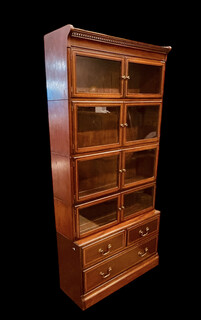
100, 37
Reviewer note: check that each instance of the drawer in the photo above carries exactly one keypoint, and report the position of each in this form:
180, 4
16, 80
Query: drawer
105, 271
102, 249
143, 230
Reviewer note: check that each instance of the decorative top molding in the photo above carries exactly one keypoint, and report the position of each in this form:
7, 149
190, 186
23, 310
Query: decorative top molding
93, 36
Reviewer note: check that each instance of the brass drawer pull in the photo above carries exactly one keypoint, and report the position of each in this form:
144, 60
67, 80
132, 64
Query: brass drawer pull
142, 254
142, 234
107, 274
106, 252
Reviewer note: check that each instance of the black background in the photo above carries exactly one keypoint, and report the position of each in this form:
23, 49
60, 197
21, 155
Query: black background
158, 291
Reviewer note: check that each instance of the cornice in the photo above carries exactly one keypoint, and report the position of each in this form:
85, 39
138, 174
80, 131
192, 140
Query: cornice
99, 37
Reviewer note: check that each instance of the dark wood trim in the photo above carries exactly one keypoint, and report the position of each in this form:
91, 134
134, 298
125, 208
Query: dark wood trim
99, 37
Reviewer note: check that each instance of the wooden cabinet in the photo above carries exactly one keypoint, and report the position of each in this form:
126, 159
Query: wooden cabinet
105, 105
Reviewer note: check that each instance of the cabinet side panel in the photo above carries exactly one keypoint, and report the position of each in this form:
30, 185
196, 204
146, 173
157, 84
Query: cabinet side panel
61, 177
59, 127
56, 63
62, 194
63, 219
70, 272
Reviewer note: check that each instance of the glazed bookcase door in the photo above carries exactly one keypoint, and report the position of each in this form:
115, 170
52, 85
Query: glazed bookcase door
139, 165
144, 79
97, 175
97, 75
97, 126
142, 123
137, 201
96, 215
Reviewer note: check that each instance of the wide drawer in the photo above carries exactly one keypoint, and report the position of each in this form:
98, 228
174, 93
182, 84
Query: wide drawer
102, 249
104, 271
143, 230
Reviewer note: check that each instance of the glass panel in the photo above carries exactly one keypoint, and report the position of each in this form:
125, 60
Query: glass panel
138, 201
142, 122
98, 215
139, 165
97, 75
97, 175
97, 126
144, 78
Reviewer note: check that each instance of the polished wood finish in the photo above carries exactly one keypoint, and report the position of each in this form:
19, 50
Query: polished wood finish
105, 99
102, 272
103, 249
121, 280
143, 230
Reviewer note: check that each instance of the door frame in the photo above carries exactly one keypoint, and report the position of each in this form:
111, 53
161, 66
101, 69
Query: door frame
91, 203
76, 104
143, 181
141, 103
100, 55
146, 62
99, 193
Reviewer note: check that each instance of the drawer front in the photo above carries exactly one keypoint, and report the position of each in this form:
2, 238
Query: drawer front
142, 231
104, 248
102, 272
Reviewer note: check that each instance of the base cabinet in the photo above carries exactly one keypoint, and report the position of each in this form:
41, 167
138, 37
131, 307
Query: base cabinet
105, 97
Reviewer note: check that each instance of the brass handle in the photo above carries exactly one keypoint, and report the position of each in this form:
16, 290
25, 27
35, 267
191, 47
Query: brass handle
142, 254
106, 252
107, 274
125, 77
141, 232
120, 170
125, 124
119, 209
124, 170
122, 125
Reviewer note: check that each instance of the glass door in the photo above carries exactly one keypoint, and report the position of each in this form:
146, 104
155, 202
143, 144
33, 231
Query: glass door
97, 175
142, 123
97, 126
97, 75
137, 201
139, 166
145, 78
97, 214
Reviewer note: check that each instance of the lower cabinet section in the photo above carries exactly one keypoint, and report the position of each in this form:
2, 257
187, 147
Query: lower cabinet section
94, 267
102, 272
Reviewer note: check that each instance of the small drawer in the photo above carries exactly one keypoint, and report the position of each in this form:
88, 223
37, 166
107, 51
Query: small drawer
102, 249
143, 230
104, 271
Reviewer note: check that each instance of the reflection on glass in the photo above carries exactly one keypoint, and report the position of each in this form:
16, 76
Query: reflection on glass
97, 126
97, 75
139, 165
97, 215
144, 78
137, 201
142, 122
96, 175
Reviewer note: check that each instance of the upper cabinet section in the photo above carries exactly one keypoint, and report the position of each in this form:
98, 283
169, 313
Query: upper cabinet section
115, 76
100, 65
